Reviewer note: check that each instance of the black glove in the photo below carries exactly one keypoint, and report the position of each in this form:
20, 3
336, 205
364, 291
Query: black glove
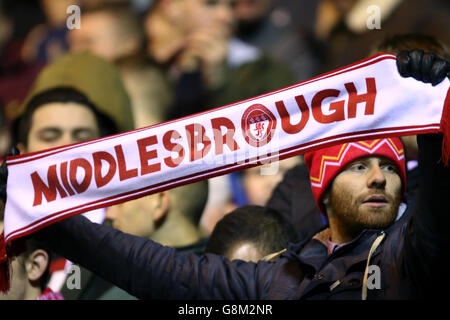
422, 66
4, 174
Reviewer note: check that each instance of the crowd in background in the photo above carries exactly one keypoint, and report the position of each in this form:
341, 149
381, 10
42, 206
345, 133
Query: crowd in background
180, 57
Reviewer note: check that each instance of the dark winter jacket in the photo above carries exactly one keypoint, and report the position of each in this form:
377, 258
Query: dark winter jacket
410, 257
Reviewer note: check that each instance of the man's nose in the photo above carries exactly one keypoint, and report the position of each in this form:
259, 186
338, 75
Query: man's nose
376, 178
65, 139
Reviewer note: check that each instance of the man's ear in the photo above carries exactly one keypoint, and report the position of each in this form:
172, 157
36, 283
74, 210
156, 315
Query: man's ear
36, 264
326, 201
162, 206
326, 198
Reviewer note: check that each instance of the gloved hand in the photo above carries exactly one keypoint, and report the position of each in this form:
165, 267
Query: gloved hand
4, 174
422, 66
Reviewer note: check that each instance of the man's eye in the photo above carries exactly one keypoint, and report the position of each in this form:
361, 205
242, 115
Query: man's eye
49, 135
390, 168
83, 135
358, 167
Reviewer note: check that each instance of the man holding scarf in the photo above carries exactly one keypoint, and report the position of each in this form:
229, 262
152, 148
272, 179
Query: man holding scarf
373, 249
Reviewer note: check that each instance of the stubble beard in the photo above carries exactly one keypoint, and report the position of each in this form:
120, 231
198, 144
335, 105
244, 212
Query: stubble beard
355, 217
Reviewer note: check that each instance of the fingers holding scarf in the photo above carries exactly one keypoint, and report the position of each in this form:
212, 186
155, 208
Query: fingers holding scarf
423, 66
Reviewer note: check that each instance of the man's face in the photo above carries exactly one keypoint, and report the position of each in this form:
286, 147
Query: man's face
259, 182
97, 35
136, 217
56, 11
58, 124
366, 194
206, 15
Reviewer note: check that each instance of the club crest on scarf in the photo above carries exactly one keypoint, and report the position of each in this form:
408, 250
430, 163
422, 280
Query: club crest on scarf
258, 125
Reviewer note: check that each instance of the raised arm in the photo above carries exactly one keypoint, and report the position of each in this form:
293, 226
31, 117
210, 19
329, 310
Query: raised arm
426, 239
149, 270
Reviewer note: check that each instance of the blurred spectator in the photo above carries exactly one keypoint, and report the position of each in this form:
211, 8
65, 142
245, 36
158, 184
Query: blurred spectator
259, 182
342, 25
300, 13
208, 67
48, 41
294, 199
16, 75
252, 186
78, 97
29, 272
111, 31
271, 29
171, 217
103, 94
23, 16
115, 32
29, 267
192, 39
6, 28
250, 233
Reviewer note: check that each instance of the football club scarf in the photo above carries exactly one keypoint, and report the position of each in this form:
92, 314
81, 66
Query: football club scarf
365, 100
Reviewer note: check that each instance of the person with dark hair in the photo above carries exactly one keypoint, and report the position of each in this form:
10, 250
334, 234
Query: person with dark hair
77, 88
410, 41
115, 32
207, 66
29, 269
250, 233
51, 137
48, 40
347, 30
272, 28
30, 273
76, 98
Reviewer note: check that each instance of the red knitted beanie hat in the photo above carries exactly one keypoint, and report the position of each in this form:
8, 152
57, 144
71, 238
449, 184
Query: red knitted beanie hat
324, 164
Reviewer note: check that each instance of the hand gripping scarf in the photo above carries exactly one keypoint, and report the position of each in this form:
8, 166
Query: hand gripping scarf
365, 100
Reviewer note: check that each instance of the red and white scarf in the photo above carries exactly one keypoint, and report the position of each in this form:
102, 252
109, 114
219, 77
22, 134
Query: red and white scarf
365, 100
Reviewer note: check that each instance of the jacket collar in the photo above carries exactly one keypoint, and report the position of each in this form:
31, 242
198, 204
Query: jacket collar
314, 253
